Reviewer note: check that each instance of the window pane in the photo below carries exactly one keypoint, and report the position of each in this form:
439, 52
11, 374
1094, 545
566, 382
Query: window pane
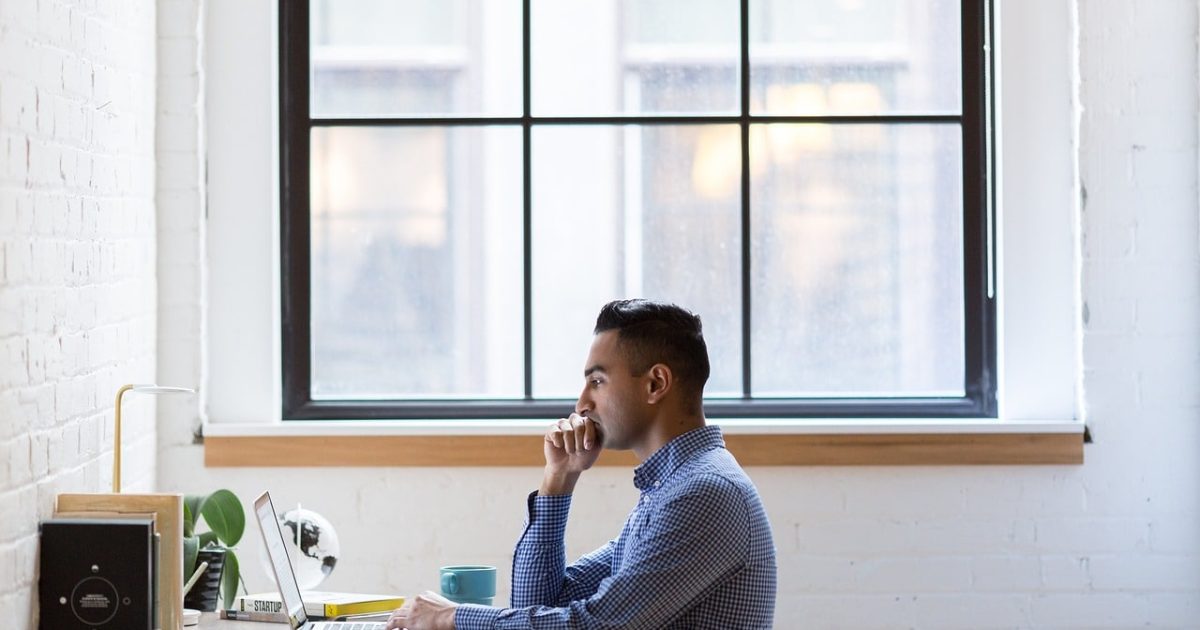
602, 57
415, 57
416, 262
634, 211
857, 260
855, 57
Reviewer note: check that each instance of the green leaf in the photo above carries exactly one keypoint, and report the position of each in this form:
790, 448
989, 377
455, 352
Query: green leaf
229, 579
222, 510
191, 509
191, 545
207, 539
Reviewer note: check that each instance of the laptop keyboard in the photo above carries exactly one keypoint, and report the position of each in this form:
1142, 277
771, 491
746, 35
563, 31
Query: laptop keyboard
349, 625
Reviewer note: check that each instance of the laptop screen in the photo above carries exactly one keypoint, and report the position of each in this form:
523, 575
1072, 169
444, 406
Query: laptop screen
289, 591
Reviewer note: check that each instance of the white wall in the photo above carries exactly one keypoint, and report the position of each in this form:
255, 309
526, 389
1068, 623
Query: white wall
77, 262
1112, 543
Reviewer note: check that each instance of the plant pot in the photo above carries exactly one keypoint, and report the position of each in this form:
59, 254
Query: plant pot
205, 595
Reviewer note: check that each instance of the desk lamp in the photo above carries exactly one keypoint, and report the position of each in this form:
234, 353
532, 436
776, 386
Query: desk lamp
167, 511
141, 389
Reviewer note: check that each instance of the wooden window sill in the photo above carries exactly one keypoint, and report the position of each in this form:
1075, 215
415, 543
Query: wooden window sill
327, 444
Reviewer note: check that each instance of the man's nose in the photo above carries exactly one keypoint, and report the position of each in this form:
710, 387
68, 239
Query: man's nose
583, 405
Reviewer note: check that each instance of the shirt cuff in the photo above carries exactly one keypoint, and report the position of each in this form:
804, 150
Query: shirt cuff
547, 517
470, 616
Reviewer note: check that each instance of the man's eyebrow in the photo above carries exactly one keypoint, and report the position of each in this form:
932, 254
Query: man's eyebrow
594, 368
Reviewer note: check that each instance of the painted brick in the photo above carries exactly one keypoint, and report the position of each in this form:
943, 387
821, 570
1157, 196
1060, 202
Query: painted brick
937, 496
850, 611
1093, 534
9, 569
15, 454
1005, 573
1137, 74
925, 574
76, 174
1173, 610
20, 514
1146, 573
1113, 315
979, 611
841, 536
962, 536
1175, 535
1089, 610
1065, 573
808, 573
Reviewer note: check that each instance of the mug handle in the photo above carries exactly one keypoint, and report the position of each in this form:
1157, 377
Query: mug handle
449, 583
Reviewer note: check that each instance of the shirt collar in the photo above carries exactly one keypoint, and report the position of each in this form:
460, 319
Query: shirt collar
666, 459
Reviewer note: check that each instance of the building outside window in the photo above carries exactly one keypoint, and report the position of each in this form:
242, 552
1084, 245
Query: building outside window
853, 283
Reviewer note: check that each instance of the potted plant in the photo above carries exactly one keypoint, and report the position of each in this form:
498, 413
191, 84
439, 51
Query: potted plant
226, 520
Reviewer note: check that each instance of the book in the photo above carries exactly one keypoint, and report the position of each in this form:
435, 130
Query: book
322, 603
103, 566
234, 614
156, 543
168, 524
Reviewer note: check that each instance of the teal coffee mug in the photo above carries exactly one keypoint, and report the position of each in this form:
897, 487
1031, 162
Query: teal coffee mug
469, 584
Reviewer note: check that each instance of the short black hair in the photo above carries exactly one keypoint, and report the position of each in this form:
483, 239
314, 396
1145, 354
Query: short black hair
650, 332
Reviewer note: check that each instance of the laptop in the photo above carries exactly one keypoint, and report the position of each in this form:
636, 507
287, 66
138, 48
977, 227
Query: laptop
289, 590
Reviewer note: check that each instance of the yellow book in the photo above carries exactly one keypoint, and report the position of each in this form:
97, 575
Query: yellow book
323, 604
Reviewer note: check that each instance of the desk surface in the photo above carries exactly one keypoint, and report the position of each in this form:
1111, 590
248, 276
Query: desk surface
210, 621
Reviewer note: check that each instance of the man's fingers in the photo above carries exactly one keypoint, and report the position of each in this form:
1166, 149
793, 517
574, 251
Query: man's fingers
567, 434
581, 424
575, 434
589, 434
398, 617
569, 439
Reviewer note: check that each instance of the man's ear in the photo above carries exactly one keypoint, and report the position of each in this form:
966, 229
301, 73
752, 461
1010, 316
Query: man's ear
659, 381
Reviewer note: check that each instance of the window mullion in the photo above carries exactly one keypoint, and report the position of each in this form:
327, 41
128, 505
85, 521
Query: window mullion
745, 205
527, 195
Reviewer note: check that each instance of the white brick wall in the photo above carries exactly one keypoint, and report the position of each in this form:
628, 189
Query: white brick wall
77, 277
181, 209
1114, 543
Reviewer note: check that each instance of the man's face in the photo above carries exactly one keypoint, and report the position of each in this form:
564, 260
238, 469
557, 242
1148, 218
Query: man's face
612, 397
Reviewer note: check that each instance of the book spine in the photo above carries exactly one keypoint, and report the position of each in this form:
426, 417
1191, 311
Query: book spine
362, 608
156, 544
259, 605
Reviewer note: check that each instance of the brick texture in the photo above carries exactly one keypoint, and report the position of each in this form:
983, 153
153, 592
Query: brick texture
1114, 543
86, 120
77, 278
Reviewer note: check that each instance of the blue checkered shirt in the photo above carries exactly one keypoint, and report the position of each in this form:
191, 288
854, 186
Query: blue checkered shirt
695, 552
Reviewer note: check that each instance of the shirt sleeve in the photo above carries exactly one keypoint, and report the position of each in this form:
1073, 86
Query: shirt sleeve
696, 541
540, 575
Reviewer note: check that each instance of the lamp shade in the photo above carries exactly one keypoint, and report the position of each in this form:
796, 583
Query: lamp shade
141, 389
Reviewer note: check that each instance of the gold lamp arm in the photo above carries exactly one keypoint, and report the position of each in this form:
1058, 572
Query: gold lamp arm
116, 476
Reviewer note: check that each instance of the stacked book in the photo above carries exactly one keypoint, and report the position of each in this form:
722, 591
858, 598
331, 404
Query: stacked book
269, 607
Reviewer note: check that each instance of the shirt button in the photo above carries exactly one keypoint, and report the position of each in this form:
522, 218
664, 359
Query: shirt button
657, 484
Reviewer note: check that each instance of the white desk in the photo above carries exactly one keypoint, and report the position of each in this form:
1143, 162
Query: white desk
210, 621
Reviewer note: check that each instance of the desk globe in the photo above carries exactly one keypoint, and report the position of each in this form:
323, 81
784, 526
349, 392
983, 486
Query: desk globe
312, 546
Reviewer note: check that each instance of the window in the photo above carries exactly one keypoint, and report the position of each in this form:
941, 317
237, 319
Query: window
465, 182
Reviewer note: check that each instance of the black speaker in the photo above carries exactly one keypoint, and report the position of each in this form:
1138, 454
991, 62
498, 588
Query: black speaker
97, 573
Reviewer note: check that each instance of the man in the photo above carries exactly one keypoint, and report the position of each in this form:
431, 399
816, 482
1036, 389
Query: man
695, 552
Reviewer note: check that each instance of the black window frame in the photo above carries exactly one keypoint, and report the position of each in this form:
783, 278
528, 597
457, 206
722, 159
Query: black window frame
975, 120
